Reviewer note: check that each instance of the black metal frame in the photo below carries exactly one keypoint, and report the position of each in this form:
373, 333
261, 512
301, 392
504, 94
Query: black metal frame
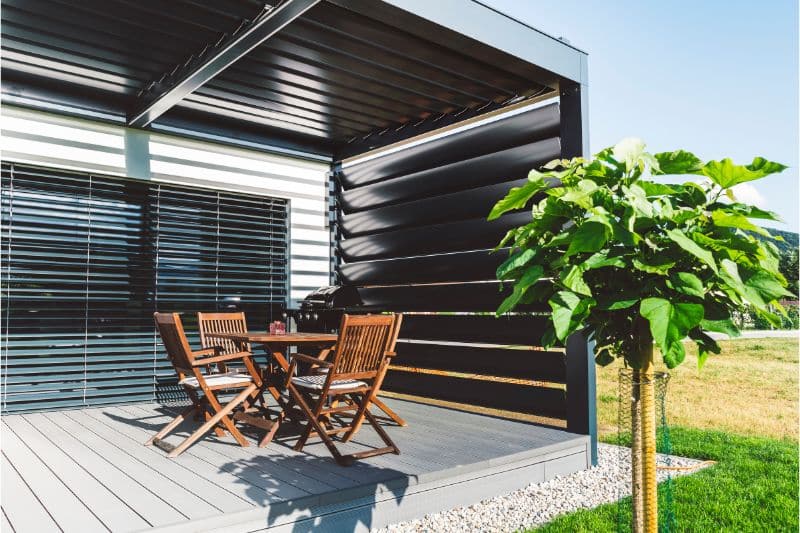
337, 79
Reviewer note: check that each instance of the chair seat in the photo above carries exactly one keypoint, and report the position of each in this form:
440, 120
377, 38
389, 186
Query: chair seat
317, 382
215, 380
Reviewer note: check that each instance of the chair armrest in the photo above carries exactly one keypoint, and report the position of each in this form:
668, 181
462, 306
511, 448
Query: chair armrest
324, 353
211, 350
220, 358
390, 354
311, 360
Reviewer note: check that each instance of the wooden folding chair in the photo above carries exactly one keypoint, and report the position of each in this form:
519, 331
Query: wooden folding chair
376, 401
201, 388
210, 323
355, 373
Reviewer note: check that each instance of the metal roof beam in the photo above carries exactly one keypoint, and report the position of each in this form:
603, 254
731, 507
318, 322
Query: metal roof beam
159, 97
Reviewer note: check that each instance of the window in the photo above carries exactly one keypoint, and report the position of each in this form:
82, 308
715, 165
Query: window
87, 259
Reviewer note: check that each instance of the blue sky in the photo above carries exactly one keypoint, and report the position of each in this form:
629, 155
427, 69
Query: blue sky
718, 78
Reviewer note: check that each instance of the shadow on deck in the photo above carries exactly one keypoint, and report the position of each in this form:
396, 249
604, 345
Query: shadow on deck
87, 470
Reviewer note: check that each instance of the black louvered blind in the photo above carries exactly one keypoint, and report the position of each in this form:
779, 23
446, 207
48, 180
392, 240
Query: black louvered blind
87, 259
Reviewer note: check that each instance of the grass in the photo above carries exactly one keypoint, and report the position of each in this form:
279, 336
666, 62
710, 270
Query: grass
740, 410
748, 389
752, 488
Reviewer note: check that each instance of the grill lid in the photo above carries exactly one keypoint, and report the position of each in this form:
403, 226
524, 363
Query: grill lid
332, 297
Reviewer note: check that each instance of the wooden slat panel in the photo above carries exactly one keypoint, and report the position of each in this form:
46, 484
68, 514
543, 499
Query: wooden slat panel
474, 234
495, 394
522, 364
516, 329
462, 205
463, 266
461, 175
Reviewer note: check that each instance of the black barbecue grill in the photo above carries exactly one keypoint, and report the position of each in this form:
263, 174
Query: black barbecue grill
322, 310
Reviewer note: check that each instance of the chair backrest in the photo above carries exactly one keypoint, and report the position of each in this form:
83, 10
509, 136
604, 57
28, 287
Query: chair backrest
363, 343
180, 353
221, 323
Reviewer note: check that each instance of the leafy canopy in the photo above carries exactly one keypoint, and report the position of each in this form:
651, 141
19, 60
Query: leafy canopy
608, 248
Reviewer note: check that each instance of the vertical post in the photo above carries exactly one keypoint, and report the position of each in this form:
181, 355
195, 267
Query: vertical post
574, 131
334, 216
137, 154
581, 383
582, 390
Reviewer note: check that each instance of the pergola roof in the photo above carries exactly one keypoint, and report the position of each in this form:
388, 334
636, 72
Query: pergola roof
328, 77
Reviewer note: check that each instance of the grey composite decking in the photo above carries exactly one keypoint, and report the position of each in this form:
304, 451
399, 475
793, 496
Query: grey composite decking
87, 470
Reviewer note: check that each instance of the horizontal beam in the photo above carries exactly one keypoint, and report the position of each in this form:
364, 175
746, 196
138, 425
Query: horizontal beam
153, 104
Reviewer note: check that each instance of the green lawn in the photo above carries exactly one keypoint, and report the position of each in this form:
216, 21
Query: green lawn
753, 487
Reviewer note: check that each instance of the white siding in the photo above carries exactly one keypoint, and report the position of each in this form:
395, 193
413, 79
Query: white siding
53, 140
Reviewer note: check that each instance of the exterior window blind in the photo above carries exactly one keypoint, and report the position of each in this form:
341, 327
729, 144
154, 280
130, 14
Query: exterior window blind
87, 259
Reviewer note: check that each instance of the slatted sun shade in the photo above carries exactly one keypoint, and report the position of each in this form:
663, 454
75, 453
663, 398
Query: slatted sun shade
87, 259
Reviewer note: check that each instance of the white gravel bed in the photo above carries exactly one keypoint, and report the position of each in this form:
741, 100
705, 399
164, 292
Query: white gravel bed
539, 503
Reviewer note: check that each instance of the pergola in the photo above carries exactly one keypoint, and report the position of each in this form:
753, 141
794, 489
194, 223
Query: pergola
427, 112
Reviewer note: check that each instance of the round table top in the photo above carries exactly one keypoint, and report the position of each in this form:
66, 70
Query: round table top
299, 337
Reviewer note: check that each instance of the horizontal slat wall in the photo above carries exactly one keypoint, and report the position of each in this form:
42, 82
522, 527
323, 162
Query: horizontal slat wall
414, 238
88, 258
68, 143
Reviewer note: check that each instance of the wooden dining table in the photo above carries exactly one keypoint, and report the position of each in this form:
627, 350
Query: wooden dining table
278, 347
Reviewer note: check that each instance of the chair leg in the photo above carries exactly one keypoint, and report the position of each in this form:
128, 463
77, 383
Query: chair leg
314, 423
172, 425
221, 415
226, 421
391, 414
218, 431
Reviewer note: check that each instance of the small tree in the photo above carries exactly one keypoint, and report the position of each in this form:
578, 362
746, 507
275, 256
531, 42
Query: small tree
635, 262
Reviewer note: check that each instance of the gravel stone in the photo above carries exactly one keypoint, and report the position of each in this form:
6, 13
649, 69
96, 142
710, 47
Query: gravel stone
539, 503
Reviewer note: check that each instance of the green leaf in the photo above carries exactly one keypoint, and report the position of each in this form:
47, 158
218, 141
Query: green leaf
767, 286
515, 261
517, 197
724, 325
531, 276
674, 354
652, 188
581, 194
692, 247
573, 280
705, 346
629, 151
730, 220
686, 283
601, 260
670, 324
569, 310
679, 162
659, 265
619, 304
590, 237
725, 174
638, 199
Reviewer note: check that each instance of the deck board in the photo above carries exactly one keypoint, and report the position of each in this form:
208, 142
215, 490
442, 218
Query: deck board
113, 475
178, 497
110, 509
69, 512
21, 507
88, 470
182, 471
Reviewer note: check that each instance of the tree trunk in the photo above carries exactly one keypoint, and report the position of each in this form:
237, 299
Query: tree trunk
643, 439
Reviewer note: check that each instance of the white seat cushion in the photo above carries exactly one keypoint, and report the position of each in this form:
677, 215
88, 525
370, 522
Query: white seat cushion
318, 381
214, 380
